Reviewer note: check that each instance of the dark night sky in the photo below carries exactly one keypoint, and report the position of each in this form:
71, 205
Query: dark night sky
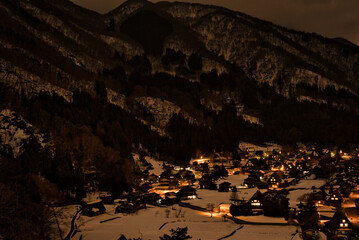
331, 18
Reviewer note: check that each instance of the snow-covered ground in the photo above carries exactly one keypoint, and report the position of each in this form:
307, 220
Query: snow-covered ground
206, 196
252, 119
256, 232
157, 165
147, 224
262, 219
235, 180
308, 183
153, 222
327, 211
296, 195
63, 216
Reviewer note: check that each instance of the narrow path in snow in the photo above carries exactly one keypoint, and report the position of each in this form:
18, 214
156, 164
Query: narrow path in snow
72, 230
240, 221
165, 224
232, 233
110, 219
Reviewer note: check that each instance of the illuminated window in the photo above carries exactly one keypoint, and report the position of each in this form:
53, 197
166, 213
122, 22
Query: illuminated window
255, 202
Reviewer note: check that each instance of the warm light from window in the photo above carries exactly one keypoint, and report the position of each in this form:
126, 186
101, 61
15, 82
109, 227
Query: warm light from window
255, 203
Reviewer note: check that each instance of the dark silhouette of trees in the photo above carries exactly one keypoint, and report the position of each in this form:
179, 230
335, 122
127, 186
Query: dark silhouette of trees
195, 62
177, 234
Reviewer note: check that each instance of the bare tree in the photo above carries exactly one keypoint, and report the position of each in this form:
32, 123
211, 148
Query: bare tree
167, 211
234, 196
210, 208
178, 213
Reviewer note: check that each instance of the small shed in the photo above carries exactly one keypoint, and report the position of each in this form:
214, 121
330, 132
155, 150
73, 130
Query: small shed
224, 187
187, 192
93, 208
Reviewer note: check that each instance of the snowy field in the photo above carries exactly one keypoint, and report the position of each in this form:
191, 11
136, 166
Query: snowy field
63, 216
262, 219
257, 232
308, 183
235, 180
152, 223
206, 196
295, 195
157, 165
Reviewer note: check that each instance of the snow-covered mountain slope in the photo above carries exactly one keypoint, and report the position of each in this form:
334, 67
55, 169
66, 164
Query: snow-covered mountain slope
178, 68
16, 133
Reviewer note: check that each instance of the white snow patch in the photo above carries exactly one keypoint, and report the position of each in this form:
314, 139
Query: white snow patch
15, 132
312, 78
206, 196
210, 104
235, 180
268, 146
116, 98
251, 119
255, 232
147, 223
157, 165
162, 110
295, 196
262, 219
310, 99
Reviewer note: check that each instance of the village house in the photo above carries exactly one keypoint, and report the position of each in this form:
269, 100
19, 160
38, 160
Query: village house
224, 187
224, 208
253, 206
233, 170
152, 178
152, 198
275, 203
250, 165
344, 224
255, 202
335, 199
93, 208
170, 199
275, 179
239, 208
206, 182
106, 198
256, 179
317, 198
130, 207
201, 160
186, 193
345, 189
145, 187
